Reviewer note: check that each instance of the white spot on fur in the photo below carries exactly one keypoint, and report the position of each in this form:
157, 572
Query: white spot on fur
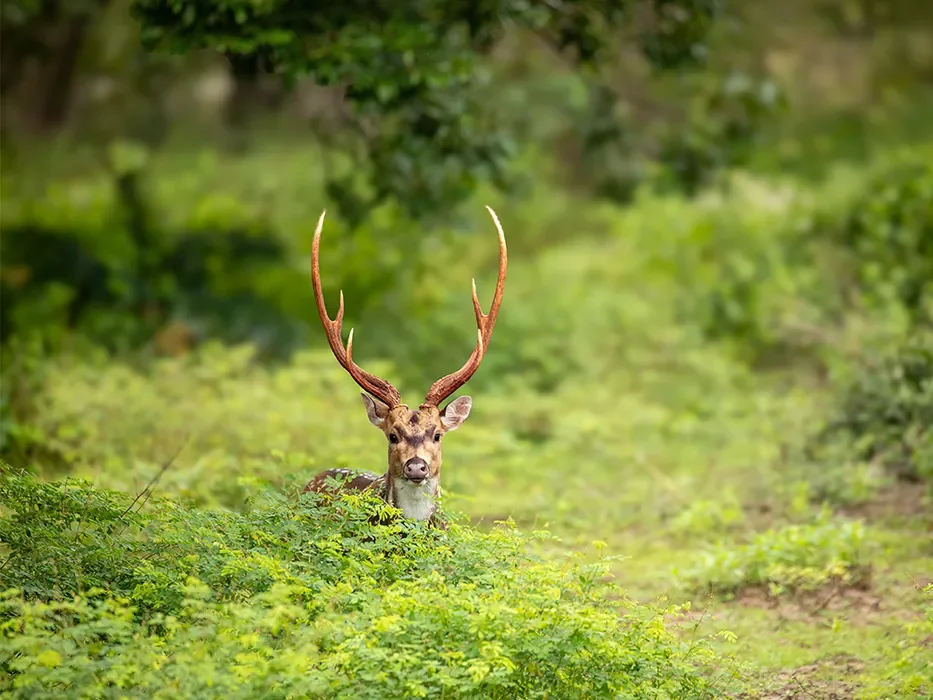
416, 500
341, 471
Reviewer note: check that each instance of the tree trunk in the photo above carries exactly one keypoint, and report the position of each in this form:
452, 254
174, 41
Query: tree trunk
39, 65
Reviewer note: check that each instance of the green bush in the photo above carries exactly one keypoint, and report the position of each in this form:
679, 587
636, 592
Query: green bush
703, 518
889, 232
97, 257
108, 598
790, 558
776, 269
884, 408
742, 279
234, 419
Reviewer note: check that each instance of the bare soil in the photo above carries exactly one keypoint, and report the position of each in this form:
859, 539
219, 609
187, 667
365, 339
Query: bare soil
809, 681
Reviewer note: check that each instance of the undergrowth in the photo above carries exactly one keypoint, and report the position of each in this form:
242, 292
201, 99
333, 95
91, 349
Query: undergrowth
910, 672
884, 410
795, 557
108, 599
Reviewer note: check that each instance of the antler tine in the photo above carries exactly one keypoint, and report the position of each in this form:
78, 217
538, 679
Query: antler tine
485, 323
379, 388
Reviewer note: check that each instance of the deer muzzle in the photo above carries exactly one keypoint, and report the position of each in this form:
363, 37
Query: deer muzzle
416, 470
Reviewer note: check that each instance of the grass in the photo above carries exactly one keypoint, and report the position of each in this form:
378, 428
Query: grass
612, 419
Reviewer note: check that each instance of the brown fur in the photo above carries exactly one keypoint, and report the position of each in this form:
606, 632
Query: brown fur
411, 436
418, 435
360, 481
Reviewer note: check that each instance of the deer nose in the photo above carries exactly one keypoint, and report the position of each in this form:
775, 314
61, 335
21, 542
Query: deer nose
416, 469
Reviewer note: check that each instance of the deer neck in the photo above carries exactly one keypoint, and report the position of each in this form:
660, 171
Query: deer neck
416, 501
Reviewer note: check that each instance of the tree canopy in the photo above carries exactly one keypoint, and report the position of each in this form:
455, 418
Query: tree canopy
413, 72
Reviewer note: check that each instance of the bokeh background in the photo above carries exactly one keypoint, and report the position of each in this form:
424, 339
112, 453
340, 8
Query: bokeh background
717, 321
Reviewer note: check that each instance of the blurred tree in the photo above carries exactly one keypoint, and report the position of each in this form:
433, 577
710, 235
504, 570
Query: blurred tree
77, 66
414, 71
249, 93
864, 18
40, 41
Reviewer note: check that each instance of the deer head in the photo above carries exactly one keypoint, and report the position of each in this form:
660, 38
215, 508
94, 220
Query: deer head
414, 436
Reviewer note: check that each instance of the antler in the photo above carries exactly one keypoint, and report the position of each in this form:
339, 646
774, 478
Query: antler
379, 388
445, 386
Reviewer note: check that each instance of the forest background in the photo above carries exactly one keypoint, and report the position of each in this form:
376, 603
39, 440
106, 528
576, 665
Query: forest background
700, 454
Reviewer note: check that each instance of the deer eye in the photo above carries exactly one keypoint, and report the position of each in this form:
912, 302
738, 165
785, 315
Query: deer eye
437, 437
393, 438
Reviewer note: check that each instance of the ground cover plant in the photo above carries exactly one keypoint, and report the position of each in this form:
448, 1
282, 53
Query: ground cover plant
305, 598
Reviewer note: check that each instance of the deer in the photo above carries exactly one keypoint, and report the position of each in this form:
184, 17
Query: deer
414, 436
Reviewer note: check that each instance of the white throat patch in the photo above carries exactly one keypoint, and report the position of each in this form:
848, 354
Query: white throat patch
415, 500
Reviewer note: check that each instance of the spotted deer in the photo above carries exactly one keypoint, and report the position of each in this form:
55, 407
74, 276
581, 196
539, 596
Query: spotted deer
412, 481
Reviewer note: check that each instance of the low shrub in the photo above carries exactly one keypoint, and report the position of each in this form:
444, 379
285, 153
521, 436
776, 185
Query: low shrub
229, 419
790, 558
889, 234
110, 597
704, 517
776, 269
884, 408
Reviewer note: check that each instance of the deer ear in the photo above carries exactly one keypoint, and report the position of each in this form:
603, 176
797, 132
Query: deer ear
456, 412
375, 410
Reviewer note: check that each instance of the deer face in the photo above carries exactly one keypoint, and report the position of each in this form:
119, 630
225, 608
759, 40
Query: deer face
415, 436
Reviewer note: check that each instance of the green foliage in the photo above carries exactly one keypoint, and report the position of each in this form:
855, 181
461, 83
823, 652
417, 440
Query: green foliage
740, 264
301, 597
885, 408
98, 259
418, 71
60, 540
791, 558
890, 233
766, 269
234, 418
616, 154
725, 119
779, 274
705, 517
835, 475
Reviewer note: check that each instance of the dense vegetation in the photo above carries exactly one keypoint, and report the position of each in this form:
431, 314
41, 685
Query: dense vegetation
290, 599
700, 458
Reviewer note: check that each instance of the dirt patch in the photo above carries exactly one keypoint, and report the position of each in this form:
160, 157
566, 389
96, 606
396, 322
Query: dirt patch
903, 499
812, 681
856, 603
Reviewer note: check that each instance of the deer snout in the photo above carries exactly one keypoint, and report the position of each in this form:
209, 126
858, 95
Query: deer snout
416, 469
